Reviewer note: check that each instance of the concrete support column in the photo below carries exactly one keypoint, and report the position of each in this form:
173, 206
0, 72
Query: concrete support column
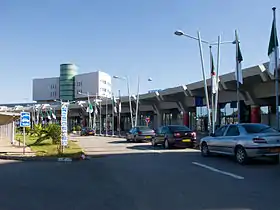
157, 119
255, 114
174, 119
186, 119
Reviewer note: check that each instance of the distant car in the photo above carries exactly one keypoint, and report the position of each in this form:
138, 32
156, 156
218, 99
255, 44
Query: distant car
174, 136
243, 141
140, 133
87, 132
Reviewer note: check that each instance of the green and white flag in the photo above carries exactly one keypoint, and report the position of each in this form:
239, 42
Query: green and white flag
239, 59
120, 105
114, 104
42, 114
213, 75
49, 115
53, 114
89, 108
273, 50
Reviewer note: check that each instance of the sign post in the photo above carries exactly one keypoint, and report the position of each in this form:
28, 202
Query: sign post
24, 122
147, 121
64, 126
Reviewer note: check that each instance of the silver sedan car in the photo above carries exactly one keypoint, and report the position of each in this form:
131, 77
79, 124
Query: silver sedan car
243, 141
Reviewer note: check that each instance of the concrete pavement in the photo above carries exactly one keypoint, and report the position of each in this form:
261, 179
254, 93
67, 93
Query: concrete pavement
134, 176
10, 149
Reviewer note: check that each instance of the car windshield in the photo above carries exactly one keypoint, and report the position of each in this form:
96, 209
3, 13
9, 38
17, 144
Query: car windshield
259, 128
179, 128
144, 128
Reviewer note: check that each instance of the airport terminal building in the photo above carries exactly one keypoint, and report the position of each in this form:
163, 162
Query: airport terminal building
69, 85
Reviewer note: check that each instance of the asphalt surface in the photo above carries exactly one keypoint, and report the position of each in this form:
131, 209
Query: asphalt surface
129, 176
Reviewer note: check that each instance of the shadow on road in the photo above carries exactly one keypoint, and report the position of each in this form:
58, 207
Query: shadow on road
119, 142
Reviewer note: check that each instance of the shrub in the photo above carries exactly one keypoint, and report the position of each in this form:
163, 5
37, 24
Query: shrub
51, 131
78, 128
37, 130
54, 132
74, 128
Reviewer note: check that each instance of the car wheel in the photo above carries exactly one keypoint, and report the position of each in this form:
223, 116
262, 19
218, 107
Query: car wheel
166, 144
154, 144
204, 149
241, 155
135, 139
275, 159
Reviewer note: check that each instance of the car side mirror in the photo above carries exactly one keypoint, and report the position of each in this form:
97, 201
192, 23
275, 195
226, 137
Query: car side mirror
212, 134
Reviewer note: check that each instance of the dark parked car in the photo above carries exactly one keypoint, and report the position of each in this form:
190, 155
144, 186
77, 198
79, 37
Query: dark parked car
140, 133
87, 132
174, 135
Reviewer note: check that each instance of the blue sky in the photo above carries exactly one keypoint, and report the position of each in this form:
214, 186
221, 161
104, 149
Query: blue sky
125, 37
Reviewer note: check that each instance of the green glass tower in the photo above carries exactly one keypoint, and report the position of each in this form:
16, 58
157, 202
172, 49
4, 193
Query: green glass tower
67, 81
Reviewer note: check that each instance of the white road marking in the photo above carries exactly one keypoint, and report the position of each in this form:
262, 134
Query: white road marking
218, 171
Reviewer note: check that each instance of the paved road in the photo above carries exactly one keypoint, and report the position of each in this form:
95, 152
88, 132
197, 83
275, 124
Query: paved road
134, 176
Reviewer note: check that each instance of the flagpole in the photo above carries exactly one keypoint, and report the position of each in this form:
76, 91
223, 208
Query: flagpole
119, 118
276, 70
106, 120
137, 103
94, 114
100, 118
237, 78
204, 78
89, 114
113, 115
217, 80
212, 93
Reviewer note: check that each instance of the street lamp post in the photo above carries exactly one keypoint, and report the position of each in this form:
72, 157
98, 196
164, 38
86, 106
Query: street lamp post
129, 96
200, 41
89, 114
137, 100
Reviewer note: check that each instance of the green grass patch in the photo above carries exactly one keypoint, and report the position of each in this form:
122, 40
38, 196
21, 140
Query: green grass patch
47, 149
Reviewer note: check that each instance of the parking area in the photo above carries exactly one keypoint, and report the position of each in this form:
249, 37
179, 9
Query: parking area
185, 176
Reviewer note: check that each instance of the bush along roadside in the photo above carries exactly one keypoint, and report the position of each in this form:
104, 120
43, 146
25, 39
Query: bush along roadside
45, 142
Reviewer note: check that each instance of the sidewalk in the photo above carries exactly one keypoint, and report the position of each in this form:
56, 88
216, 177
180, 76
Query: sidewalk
6, 148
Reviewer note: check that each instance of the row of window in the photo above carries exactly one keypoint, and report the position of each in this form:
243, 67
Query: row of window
105, 90
53, 94
79, 84
105, 82
53, 86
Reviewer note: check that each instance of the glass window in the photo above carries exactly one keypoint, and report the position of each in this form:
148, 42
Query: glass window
233, 131
164, 130
178, 128
258, 128
158, 131
220, 131
144, 128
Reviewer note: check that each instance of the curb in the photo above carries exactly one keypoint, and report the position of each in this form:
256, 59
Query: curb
39, 159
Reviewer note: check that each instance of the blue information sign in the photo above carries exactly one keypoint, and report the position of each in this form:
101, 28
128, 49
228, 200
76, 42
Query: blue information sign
64, 125
24, 119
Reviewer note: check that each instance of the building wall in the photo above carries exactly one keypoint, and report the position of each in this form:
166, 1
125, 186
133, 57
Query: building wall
105, 84
67, 81
84, 83
94, 83
46, 89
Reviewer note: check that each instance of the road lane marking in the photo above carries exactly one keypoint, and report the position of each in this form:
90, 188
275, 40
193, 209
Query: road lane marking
218, 171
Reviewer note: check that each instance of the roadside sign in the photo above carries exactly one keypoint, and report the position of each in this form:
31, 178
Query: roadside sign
24, 119
147, 119
64, 124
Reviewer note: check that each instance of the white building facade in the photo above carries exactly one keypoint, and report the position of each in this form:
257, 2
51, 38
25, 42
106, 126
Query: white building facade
50, 89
